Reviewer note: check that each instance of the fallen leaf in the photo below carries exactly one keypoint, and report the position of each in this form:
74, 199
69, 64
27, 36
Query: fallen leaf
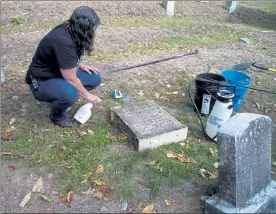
169, 203
63, 198
171, 154
6, 153
84, 181
99, 169
107, 199
81, 133
204, 173
7, 136
152, 163
10, 129
180, 157
38, 185
11, 167
104, 190
274, 164
88, 174
12, 121
98, 194
148, 209
70, 196
157, 95
90, 132
25, 200
140, 93
182, 144
212, 152
215, 165
99, 183
46, 198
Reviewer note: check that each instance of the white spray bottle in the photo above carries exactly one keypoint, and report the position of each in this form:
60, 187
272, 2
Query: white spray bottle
84, 113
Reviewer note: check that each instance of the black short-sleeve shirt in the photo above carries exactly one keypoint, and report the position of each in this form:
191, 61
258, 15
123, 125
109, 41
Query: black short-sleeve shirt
55, 51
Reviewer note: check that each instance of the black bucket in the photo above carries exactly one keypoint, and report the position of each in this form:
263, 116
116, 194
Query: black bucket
204, 87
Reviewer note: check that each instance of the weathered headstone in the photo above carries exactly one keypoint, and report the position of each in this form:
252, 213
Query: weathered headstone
147, 125
169, 7
245, 185
3, 78
231, 6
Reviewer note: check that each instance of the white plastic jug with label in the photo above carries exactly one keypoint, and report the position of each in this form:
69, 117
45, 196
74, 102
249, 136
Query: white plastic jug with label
84, 113
221, 112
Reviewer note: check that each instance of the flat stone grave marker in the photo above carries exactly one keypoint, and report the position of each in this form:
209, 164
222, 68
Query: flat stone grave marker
147, 125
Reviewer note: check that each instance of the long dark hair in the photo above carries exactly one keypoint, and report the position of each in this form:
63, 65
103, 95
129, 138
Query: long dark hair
82, 26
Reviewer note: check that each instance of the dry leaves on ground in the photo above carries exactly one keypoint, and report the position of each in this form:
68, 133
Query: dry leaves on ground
12, 167
216, 165
180, 157
38, 185
81, 133
148, 209
45, 198
154, 165
67, 199
204, 173
5, 153
169, 203
157, 95
25, 200
12, 121
99, 169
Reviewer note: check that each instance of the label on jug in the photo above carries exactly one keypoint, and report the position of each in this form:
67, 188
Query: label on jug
206, 100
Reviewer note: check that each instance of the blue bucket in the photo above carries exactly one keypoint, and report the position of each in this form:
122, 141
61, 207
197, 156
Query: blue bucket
237, 78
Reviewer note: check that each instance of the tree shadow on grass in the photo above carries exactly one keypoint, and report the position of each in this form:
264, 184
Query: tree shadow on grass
254, 17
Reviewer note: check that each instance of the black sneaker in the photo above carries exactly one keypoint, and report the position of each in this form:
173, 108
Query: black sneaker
66, 123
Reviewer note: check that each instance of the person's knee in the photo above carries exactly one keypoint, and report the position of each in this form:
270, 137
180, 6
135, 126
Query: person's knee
96, 80
71, 96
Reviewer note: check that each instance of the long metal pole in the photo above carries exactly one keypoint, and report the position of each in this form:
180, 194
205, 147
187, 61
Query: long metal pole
152, 62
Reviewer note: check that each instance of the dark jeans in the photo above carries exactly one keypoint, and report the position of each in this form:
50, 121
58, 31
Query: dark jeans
61, 94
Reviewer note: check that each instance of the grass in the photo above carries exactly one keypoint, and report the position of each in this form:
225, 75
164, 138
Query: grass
169, 23
17, 20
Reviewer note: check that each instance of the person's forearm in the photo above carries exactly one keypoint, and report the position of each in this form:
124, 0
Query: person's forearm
78, 85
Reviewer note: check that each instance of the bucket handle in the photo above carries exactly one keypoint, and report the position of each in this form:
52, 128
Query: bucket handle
227, 85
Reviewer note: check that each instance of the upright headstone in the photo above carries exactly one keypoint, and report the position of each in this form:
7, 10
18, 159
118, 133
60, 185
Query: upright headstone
169, 7
147, 125
231, 6
245, 185
3, 78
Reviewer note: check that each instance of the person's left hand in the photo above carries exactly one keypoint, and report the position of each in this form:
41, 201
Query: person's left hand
89, 69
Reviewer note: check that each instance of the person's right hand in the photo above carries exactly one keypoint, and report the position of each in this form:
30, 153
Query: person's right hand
93, 98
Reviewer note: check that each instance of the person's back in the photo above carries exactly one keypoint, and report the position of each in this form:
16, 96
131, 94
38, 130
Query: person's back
48, 58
